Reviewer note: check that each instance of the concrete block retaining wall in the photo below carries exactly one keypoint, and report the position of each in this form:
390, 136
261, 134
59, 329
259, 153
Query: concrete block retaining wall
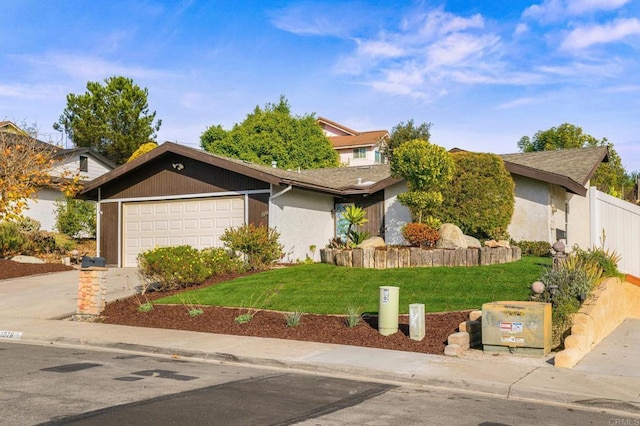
611, 303
412, 257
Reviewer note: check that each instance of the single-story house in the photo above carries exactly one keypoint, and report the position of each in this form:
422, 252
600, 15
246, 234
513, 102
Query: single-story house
178, 195
551, 194
355, 148
85, 161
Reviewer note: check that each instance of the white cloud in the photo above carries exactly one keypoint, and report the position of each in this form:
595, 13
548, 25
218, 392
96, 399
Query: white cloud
380, 49
516, 103
586, 36
31, 92
88, 67
558, 10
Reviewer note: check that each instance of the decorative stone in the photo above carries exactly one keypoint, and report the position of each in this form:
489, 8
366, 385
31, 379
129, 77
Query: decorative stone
372, 242
491, 244
26, 259
504, 243
472, 242
558, 247
537, 287
451, 237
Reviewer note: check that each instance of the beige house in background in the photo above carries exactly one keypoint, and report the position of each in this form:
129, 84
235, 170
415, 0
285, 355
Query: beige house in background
355, 148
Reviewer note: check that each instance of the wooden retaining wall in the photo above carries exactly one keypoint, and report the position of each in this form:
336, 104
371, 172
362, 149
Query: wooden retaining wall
415, 257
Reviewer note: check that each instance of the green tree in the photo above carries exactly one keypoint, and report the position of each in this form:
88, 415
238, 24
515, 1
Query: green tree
480, 198
143, 149
76, 217
610, 177
113, 118
274, 134
427, 169
405, 132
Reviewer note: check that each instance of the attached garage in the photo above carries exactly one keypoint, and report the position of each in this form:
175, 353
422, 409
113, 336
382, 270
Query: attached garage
195, 222
176, 195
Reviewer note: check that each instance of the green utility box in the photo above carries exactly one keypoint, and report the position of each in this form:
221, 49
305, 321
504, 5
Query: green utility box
517, 327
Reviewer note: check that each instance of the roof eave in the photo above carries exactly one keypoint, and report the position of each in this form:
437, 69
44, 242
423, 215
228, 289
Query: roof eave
567, 183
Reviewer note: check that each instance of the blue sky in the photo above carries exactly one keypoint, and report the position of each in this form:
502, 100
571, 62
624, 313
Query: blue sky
485, 73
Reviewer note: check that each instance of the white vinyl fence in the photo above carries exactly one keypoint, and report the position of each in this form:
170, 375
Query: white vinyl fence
619, 222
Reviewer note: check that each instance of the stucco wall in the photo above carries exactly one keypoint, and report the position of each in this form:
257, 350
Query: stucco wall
531, 213
303, 218
43, 209
346, 157
395, 214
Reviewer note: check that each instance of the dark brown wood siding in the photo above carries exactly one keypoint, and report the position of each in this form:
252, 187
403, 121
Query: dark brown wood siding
374, 207
109, 232
160, 178
259, 209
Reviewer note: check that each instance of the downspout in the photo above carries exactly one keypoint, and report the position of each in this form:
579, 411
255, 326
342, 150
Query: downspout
98, 222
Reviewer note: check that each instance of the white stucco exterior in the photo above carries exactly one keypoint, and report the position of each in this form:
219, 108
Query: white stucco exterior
395, 214
303, 218
43, 208
346, 157
531, 212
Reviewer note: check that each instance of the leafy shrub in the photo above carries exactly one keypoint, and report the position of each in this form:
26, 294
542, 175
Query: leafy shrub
76, 217
480, 198
534, 248
336, 243
44, 242
220, 261
28, 224
172, 268
259, 244
420, 234
567, 286
11, 239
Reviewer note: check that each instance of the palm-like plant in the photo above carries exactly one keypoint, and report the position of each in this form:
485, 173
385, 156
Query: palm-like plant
355, 216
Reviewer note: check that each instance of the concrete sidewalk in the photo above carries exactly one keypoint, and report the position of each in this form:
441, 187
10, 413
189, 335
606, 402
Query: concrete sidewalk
28, 304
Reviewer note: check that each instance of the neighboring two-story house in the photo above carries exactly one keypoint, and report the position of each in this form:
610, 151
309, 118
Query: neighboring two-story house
355, 148
85, 161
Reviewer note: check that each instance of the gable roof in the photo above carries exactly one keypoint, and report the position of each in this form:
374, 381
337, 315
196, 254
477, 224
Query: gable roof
337, 126
359, 140
339, 181
71, 152
569, 168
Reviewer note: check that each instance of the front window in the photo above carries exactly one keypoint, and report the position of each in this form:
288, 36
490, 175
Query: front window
359, 153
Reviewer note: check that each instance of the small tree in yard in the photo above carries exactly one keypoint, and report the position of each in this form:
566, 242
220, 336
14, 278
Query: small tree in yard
427, 169
25, 164
76, 217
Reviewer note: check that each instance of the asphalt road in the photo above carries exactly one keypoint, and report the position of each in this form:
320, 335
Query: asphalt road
53, 385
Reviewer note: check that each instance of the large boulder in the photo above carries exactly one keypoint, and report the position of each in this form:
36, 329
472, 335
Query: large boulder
372, 242
26, 259
472, 242
451, 237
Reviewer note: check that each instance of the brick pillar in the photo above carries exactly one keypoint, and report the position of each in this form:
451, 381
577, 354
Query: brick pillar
92, 291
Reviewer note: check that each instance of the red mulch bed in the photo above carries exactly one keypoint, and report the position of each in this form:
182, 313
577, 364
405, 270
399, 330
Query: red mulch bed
314, 328
11, 269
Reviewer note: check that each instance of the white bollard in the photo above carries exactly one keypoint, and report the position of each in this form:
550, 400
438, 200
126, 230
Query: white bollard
416, 321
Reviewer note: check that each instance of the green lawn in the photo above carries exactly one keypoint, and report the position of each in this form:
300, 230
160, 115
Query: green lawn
327, 289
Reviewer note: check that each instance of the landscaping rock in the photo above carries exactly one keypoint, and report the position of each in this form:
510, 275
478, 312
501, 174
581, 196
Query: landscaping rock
472, 242
451, 237
372, 242
26, 259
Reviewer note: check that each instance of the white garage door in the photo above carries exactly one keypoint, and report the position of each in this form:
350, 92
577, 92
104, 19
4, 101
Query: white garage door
198, 223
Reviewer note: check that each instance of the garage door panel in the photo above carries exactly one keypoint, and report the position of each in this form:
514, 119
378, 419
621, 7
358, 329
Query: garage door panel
198, 223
